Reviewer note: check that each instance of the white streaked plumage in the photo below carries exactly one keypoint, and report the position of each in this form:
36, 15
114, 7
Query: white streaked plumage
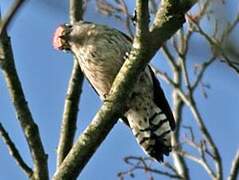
100, 51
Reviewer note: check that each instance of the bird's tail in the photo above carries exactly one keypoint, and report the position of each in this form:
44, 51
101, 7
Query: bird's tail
152, 131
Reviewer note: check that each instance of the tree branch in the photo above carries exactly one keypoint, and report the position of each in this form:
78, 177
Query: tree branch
76, 10
10, 14
199, 161
113, 107
203, 68
169, 56
170, 12
68, 127
235, 167
13, 151
142, 21
215, 45
139, 163
24, 115
178, 105
208, 138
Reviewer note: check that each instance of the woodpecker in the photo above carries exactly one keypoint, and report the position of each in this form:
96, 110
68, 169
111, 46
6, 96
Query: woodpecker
100, 52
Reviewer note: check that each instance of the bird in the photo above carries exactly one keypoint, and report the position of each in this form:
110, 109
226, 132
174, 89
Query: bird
100, 52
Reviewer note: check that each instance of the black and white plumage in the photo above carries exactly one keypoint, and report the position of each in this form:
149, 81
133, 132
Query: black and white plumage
100, 51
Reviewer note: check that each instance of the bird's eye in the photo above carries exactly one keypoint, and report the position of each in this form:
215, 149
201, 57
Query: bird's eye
68, 25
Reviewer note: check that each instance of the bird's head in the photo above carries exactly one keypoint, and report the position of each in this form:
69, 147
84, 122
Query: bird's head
61, 37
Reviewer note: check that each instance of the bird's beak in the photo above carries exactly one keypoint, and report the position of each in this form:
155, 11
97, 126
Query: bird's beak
63, 37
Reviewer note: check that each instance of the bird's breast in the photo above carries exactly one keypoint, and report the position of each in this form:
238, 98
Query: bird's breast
101, 57
99, 69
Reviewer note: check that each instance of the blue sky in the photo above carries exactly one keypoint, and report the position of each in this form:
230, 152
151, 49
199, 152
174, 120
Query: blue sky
44, 73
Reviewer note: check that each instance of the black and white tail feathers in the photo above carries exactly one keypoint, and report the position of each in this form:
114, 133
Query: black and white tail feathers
151, 120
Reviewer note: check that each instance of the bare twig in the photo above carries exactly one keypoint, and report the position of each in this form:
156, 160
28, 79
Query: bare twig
172, 168
127, 21
176, 87
10, 14
179, 161
214, 44
197, 116
169, 56
208, 138
139, 163
69, 120
234, 173
203, 68
190, 129
194, 109
24, 115
199, 161
230, 28
119, 11
14, 152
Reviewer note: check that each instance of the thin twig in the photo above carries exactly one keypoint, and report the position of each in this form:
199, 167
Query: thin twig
194, 109
10, 14
171, 167
203, 68
230, 28
14, 152
169, 56
207, 136
214, 44
68, 127
179, 161
190, 129
199, 161
139, 163
234, 173
128, 21
176, 87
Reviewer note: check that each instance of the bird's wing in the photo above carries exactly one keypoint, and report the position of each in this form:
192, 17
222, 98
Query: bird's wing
161, 101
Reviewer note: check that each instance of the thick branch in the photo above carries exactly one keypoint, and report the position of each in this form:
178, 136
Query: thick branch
76, 10
14, 152
68, 127
142, 20
170, 12
24, 115
112, 108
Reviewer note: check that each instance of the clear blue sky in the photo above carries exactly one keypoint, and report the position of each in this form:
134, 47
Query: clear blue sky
44, 73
